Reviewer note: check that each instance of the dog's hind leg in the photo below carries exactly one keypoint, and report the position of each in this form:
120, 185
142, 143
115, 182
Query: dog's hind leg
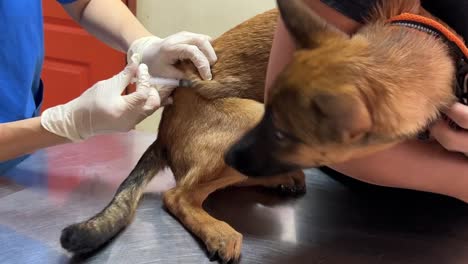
185, 203
91, 234
290, 184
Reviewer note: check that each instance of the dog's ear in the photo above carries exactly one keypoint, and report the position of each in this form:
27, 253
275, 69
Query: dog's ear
342, 117
307, 28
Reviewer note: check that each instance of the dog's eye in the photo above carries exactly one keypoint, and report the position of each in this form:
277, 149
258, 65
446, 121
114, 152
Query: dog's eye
279, 135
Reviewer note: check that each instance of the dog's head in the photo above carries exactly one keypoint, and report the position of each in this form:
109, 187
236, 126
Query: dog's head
316, 114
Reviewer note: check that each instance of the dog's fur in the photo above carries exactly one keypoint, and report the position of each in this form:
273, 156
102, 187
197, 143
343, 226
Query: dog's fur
345, 97
340, 96
194, 133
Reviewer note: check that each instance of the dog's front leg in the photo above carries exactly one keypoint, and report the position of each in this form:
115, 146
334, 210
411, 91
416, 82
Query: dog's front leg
289, 184
185, 203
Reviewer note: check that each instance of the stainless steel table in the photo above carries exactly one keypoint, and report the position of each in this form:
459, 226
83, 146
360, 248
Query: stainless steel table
338, 221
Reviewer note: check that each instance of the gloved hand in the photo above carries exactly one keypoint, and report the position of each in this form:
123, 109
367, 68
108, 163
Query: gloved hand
102, 109
161, 54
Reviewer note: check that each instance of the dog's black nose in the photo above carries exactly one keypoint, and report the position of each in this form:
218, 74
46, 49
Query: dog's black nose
253, 155
245, 161
230, 158
251, 165
239, 160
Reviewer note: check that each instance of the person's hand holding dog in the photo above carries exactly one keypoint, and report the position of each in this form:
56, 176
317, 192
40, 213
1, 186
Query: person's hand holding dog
449, 138
161, 54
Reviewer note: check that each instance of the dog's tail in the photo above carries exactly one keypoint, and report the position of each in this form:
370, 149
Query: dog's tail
90, 235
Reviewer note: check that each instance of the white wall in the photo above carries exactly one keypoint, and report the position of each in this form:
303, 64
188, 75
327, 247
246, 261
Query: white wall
210, 17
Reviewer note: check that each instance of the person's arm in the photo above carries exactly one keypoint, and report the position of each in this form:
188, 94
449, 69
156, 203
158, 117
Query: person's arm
108, 20
24, 137
283, 44
112, 22
412, 165
100, 109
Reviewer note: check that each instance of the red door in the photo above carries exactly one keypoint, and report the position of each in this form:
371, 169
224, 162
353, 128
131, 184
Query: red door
74, 60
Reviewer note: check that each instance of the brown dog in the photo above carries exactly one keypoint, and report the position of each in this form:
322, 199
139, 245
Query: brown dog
340, 97
194, 134
344, 97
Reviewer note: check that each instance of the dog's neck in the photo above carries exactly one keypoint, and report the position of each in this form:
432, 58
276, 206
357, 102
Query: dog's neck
455, 45
412, 75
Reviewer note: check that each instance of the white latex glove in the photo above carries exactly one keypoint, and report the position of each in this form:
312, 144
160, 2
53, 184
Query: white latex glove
161, 54
102, 108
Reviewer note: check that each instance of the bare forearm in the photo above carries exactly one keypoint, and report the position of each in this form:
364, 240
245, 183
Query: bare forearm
25, 136
108, 20
413, 165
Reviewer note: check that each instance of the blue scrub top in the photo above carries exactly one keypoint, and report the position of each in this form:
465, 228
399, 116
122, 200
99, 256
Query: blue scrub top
21, 60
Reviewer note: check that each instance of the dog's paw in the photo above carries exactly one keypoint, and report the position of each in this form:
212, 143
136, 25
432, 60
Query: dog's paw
223, 242
293, 185
79, 239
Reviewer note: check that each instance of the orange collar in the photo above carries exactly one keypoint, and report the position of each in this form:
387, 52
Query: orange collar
456, 45
426, 24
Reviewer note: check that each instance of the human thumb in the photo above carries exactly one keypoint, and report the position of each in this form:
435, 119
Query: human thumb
144, 101
143, 78
120, 81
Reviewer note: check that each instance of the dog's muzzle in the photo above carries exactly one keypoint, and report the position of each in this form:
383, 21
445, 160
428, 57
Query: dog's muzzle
250, 165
